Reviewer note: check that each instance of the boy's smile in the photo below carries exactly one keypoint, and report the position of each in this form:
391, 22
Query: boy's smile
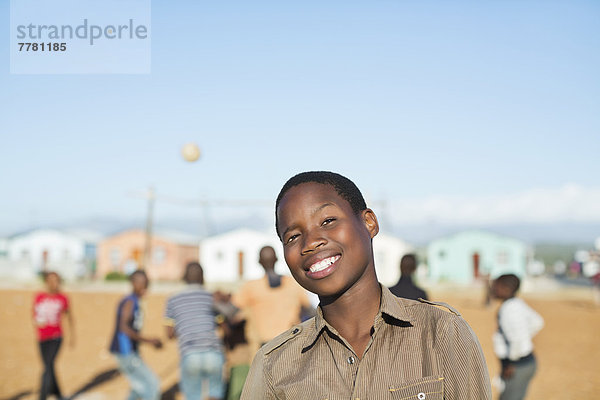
320, 269
326, 245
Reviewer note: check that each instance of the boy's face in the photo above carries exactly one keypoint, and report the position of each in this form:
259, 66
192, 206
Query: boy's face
267, 258
52, 282
140, 285
326, 246
501, 291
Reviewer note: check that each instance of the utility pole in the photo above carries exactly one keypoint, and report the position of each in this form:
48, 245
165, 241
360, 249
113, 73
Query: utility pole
151, 196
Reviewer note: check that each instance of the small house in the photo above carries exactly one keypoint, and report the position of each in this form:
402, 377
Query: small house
471, 255
168, 253
233, 256
70, 253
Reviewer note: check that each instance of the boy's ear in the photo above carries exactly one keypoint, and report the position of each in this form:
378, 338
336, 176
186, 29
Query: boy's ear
370, 220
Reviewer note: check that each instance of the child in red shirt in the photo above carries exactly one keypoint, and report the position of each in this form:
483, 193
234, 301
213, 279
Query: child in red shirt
48, 309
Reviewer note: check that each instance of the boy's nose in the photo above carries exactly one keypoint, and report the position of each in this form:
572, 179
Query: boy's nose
312, 241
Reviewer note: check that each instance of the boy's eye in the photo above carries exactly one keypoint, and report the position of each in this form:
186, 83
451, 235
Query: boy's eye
328, 221
291, 238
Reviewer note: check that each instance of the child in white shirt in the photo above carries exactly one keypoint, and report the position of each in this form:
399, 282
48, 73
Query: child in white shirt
517, 325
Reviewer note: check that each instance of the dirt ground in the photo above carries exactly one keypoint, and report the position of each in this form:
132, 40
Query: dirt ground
567, 348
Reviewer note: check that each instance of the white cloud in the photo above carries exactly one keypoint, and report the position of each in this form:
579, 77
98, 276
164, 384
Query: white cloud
568, 203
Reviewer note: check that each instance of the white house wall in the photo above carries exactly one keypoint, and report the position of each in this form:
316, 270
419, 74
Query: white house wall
3, 248
219, 255
20, 271
388, 251
65, 253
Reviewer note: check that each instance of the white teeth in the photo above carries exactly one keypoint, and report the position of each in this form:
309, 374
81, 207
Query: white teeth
321, 265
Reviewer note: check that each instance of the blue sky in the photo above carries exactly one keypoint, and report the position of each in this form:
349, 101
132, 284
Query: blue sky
416, 101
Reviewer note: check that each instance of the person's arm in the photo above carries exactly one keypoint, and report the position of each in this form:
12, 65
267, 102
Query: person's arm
71, 322
34, 318
170, 331
223, 307
464, 368
256, 386
169, 320
126, 315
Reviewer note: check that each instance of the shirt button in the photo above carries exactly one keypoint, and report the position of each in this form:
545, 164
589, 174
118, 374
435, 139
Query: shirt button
351, 360
296, 331
421, 396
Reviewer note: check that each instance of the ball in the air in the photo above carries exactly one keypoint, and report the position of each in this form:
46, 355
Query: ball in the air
190, 152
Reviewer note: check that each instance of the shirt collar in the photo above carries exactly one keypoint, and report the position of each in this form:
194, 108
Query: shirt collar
192, 287
390, 305
394, 306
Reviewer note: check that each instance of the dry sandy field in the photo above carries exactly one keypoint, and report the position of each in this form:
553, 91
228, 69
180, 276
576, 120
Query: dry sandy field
568, 348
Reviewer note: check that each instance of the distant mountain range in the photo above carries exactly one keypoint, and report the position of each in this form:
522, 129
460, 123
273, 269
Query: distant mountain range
532, 233
572, 233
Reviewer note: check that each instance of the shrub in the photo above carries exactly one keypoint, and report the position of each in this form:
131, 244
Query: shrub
116, 276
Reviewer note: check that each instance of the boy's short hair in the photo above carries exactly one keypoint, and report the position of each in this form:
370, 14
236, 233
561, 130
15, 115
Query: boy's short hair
193, 273
47, 274
342, 185
510, 281
136, 273
408, 264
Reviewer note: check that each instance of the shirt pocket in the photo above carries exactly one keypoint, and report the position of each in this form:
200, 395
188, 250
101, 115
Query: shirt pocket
428, 388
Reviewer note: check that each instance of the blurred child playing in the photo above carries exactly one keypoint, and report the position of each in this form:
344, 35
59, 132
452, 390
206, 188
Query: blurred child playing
364, 342
517, 325
127, 337
190, 317
48, 309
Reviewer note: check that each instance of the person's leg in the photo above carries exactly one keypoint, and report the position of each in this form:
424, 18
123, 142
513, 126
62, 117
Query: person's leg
516, 387
191, 375
54, 388
151, 389
213, 372
49, 385
152, 383
237, 378
45, 354
127, 368
143, 382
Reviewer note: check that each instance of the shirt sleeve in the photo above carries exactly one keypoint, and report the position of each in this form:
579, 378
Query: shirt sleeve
465, 370
536, 322
256, 386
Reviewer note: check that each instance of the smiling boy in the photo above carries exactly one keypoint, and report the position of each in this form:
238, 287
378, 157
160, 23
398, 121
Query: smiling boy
364, 343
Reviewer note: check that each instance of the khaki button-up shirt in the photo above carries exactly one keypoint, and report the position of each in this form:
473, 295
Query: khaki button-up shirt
417, 351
